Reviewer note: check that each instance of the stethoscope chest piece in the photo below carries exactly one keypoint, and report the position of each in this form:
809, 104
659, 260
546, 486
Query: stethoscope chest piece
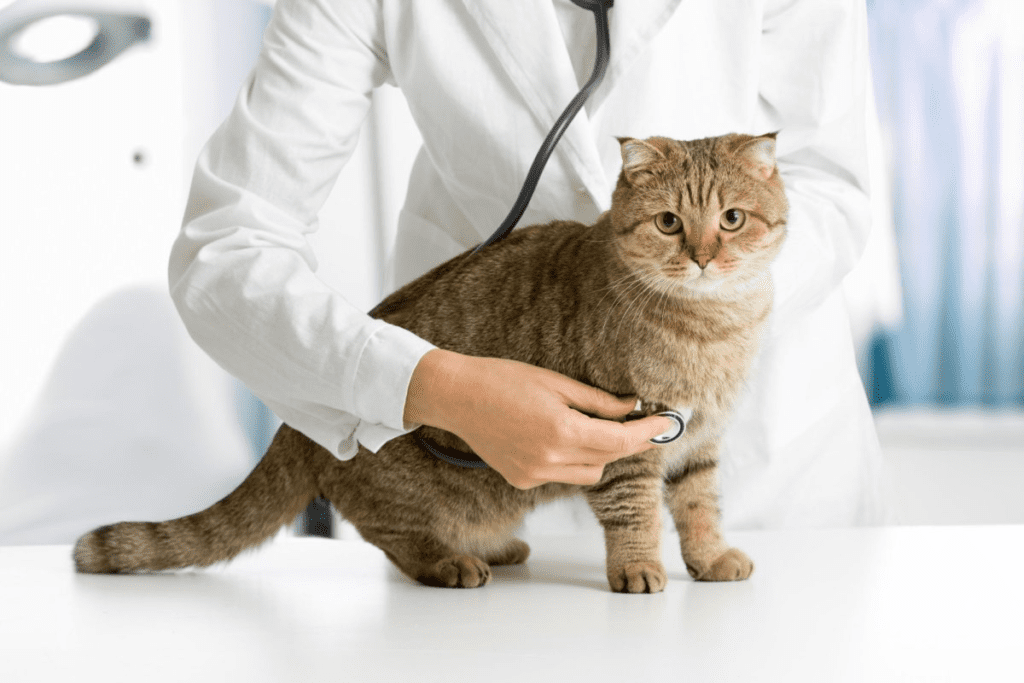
675, 433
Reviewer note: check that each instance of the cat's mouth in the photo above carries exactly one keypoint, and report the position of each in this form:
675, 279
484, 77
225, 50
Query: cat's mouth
703, 282
694, 279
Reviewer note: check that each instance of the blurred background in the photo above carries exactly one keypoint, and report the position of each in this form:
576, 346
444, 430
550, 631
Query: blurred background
97, 375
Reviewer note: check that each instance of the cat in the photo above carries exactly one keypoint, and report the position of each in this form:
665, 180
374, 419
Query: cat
665, 297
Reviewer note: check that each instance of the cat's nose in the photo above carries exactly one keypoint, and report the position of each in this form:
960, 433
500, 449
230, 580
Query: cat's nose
702, 260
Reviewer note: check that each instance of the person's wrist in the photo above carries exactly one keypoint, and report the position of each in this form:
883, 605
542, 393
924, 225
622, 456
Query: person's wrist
429, 391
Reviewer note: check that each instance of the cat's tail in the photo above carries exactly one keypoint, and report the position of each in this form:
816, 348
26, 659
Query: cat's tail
276, 491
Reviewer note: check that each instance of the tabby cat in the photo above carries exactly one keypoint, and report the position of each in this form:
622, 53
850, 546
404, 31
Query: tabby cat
665, 298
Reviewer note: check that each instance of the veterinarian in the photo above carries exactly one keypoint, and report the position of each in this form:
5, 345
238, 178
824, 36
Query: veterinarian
484, 80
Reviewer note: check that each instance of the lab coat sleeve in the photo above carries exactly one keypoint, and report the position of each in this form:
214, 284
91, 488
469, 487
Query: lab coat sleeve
241, 271
813, 89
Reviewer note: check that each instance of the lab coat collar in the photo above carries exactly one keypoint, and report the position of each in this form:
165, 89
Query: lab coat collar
528, 43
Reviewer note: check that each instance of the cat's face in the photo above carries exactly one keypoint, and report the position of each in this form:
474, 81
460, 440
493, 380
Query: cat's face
699, 218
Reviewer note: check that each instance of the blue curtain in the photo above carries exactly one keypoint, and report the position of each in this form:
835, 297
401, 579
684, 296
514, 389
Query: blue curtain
950, 94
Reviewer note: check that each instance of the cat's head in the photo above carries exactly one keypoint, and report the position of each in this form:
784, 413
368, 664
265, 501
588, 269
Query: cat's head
702, 217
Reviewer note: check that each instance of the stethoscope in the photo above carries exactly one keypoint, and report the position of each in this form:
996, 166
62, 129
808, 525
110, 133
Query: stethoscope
600, 9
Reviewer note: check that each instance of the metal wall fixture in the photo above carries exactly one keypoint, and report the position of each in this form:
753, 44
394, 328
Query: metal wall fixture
115, 32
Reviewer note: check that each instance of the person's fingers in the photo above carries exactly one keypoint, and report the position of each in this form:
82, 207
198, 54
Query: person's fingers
647, 428
608, 440
594, 401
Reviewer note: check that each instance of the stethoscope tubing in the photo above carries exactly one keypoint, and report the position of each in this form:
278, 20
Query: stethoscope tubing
600, 9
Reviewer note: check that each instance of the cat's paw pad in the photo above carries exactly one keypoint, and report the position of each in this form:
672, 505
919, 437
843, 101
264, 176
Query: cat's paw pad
732, 565
515, 552
457, 571
638, 577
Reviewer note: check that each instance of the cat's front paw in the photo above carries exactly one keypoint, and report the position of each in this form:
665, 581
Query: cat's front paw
638, 577
732, 565
457, 571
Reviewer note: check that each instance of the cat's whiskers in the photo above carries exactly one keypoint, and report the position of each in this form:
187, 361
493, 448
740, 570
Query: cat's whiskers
648, 294
624, 296
620, 294
610, 288
665, 292
648, 286
658, 289
602, 240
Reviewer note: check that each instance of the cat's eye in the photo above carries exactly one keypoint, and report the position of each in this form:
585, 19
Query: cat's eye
733, 219
668, 223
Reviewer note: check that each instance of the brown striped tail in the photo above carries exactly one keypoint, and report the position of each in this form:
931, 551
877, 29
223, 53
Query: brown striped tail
276, 491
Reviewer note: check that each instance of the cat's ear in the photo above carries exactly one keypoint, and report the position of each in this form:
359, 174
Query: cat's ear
759, 155
637, 157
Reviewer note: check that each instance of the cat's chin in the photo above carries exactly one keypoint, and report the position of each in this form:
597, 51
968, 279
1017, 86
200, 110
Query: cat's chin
701, 285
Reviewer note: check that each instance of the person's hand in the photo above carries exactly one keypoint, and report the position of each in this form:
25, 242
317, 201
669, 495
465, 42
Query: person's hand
526, 422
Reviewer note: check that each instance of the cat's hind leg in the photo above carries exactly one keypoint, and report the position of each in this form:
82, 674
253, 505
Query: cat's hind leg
691, 493
424, 558
397, 501
440, 524
514, 552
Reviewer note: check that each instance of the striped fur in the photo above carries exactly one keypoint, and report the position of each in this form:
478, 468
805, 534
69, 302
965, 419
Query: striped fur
622, 305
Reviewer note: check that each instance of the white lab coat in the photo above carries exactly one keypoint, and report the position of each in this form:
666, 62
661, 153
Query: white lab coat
484, 80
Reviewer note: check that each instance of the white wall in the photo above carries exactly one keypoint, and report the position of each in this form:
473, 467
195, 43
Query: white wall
79, 217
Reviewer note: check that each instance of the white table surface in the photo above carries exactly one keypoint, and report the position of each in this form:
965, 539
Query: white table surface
890, 604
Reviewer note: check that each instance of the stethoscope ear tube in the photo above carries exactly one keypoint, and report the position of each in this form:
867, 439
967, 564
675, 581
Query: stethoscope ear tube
594, 5
600, 9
